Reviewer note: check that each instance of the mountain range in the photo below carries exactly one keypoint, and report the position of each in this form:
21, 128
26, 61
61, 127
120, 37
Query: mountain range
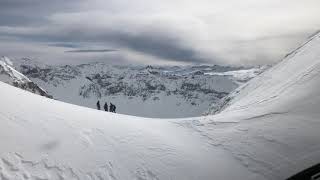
149, 91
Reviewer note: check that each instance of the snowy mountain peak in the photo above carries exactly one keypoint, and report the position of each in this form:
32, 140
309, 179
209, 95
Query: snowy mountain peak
13, 77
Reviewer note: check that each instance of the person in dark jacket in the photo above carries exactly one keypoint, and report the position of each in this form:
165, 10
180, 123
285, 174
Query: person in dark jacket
98, 105
114, 108
106, 106
111, 107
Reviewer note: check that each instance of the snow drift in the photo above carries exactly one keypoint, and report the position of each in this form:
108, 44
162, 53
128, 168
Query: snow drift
270, 130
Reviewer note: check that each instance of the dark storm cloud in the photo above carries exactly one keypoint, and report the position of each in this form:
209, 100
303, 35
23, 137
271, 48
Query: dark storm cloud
32, 12
91, 51
37, 6
165, 45
66, 45
35, 13
159, 45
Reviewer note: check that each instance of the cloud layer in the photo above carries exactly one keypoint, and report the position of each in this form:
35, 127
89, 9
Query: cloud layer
156, 32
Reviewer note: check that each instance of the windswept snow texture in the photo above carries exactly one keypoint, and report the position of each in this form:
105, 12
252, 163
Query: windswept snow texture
270, 130
158, 92
275, 118
11, 76
46, 139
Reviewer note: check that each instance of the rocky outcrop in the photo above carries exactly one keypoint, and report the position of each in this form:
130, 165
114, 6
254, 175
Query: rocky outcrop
11, 76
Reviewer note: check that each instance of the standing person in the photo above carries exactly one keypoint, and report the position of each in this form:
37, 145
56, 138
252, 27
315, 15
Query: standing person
111, 107
98, 105
106, 106
114, 108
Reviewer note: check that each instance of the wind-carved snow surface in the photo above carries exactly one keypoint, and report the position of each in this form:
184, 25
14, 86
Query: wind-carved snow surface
269, 131
274, 119
46, 139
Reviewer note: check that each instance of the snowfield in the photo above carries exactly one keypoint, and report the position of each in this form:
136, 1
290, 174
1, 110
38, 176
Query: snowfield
269, 129
46, 139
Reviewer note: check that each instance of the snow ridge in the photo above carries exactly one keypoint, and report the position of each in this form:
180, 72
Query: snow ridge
243, 89
277, 115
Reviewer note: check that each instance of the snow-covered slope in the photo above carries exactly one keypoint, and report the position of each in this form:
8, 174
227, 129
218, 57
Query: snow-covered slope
11, 76
270, 131
46, 139
293, 80
274, 119
162, 92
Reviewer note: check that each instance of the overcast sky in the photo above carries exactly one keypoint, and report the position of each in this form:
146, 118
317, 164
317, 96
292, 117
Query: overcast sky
238, 32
